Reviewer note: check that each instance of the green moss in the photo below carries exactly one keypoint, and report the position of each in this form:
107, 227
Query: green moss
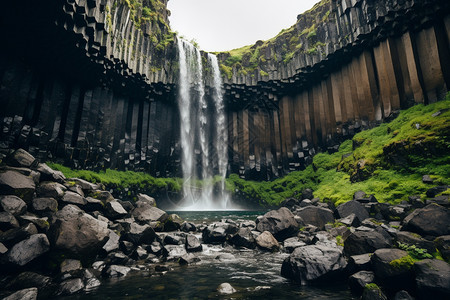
263, 73
340, 241
404, 263
372, 286
227, 71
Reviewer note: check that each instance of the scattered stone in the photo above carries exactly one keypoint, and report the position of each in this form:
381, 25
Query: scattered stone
173, 223
266, 241
85, 185
433, 220
432, 279
393, 267
44, 205
29, 249
280, 223
115, 210
188, 259
40, 222
13, 204
174, 252
14, 183
116, 271
244, 238
215, 233
291, 243
307, 194
361, 242
188, 227
358, 281
316, 216
139, 234
3, 249
28, 280
312, 263
74, 198
411, 238
350, 220
352, 207
103, 196
26, 294
15, 235
226, 289
360, 262
93, 204
193, 244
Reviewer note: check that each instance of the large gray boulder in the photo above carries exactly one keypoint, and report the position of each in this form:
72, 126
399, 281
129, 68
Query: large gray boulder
317, 216
361, 242
146, 213
77, 232
312, 263
244, 238
146, 199
193, 244
13, 204
25, 294
73, 198
432, 220
44, 205
20, 158
51, 189
27, 250
8, 221
14, 183
138, 234
433, 279
115, 210
280, 223
352, 207
48, 174
266, 241
217, 233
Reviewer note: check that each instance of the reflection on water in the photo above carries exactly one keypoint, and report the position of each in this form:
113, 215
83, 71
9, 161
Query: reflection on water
253, 274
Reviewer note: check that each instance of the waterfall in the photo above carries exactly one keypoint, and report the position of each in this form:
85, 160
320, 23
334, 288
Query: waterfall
203, 131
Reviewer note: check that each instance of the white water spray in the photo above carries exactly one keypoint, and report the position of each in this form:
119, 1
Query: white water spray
203, 132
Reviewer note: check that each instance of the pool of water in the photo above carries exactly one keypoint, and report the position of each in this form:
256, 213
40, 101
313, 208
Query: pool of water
253, 274
215, 216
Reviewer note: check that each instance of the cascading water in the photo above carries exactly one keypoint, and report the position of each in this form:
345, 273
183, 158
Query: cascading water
203, 131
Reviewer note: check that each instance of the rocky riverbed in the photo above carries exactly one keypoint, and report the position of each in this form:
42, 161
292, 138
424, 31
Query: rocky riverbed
61, 236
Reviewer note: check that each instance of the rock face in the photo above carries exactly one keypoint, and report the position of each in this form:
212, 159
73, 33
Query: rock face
431, 220
312, 263
78, 232
280, 223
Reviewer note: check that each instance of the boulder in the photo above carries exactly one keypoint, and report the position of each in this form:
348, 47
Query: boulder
146, 199
40, 222
433, 192
70, 286
432, 220
313, 263
70, 266
20, 158
225, 289
145, 213
28, 280
14, 183
266, 241
13, 204
188, 227
217, 233
93, 204
358, 281
15, 235
403, 295
411, 238
280, 223
77, 232
361, 242
317, 216
85, 185
114, 210
51, 189
174, 252
7, 221
3, 249
44, 205
432, 279
27, 250
443, 245
174, 239
25, 294
244, 238
360, 262
48, 174
73, 198
101, 195
307, 194
393, 268
193, 244
173, 223
373, 292
112, 243
139, 234
188, 259
352, 207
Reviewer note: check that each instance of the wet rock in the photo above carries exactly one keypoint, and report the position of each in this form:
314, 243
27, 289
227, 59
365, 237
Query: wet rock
73, 198
70, 286
112, 243
226, 289
127, 205
291, 243
173, 239
70, 266
358, 281
266, 241
20, 158
77, 232
290, 203
280, 223
443, 245
396, 274
114, 210
44, 205
139, 234
27, 250
26, 294
316, 216
174, 252
432, 279
433, 220
361, 242
312, 263
188, 259
146, 199
157, 249
352, 207
48, 174
145, 213
15, 235
173, 223
215, 233
13, 204
14, 183
225, 257
244, 238
7, 221
140, 253
188, 227
116, 271
411, 238
193, 244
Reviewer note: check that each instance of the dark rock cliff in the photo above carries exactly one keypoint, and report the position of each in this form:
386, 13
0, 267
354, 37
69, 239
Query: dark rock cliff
93, 83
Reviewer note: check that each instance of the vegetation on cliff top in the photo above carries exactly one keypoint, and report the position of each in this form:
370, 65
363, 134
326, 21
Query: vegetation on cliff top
387, 161
299, 38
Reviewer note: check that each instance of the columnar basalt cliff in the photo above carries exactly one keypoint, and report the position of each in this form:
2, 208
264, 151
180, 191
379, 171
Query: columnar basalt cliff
94, 82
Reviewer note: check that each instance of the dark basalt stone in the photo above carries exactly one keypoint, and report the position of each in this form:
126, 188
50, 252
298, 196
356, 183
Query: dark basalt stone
432, 279
280, 223
432, 220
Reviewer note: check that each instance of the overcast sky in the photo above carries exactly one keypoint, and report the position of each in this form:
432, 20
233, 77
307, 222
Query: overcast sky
219, 25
